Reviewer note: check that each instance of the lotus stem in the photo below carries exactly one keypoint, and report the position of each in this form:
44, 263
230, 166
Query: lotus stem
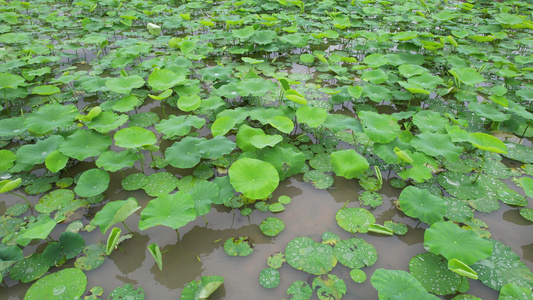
141, 160
28, 202
481, 168
163, 110
203, 216
519, 141
178, 235
126, 226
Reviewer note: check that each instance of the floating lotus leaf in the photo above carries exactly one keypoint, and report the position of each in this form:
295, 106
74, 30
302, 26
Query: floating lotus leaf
92, 182
358, 275
254, 178
127, 292
432, 272
124, 85
204, 193
489, 111
37, 153
257, 87
398, 284
302, 253
449, 240
519, 152
287, 160
276, 260
241, 246
348, 163
436, 144
312, 116
134, 182
123, 104
107, 121
222, 125
430, 121
29, 268
355, 253
457, 210
487, 142
201, 289
408, 70
380, 128
217, 72
321, 161
164, 79
216, 147
502, 267
54, 200
269, 278
421, 204
114, 212
370, 198
376, 93
143, 119
45, 90
85, 143
134, 137
50, 117
527, 213
272, 226
329, 287
461, 186
189, 102
511, 291
354, 219
300, 290
183, 154
244, 136
38, 230
115, 161
55, 161
330, 238
319, 179
94, 257
12, 127
375, 76
160, 183
174, 210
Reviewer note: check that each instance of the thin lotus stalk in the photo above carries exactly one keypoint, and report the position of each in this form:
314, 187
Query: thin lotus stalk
28, 202
481, 168
126, 226
141, 160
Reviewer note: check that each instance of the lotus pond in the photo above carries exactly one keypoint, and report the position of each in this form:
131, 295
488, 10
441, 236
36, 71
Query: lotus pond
266, 149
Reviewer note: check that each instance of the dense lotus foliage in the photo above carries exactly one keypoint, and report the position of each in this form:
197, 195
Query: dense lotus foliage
196, 104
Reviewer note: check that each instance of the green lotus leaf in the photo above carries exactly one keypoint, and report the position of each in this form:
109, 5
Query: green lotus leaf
215, 147
354, 219
241, 246
134, 182
172, 210
189, 102
254, 178
114, 212
371, 198
125, 104
380, 128
163, 79
204, 193
92, 182
107, 121
217, 72
10, 81
461, 268
156, 253
509, 19
433, 273
348, 163
408, 70
54, 200
29, 269
229, 90
85, 143
94, 257
398, 284
319, 179
300, 290
430, 121
160, 183
127, 292
269, 278
435, 144
488, 111
502, 267
244, 136
38, 152
143, 119
457, 210
222, 125
512, 291
302, 253
263, 37
50, 117
115, 161
256, 87
487, 142
9, 255
375, 76
312, 116
355, 253
124, 85
519, 152
262, 141
179, 125
449, 240
272, 226
55, 161
287, 160
329, 287
183, 154
71, 243
421, 204
201, 289
282, 124
134, 137
376, 93
12, 127
358, 275
468, 76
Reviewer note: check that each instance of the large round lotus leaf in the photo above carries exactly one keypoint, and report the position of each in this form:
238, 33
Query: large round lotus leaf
487, 142
354, 219
217, 72
312, 116
85, 143
380, 128
201, 289
432, 272
375, 76
257, 87
163, 79
94, 257
183, 154
319, 179
449, 240
302, 253
254, 178
398, 284
512, 291
189, 102
179, 125
160, 183
461, 186
10, 81
45, 90
329, 287
262, 141
468, 76
321, 161
174, 211
51, 116
300, 290
435, 144
38, 230
107, 121
71, 243
376, 93
114, 161
282, 123
29, 268
125, 104
502, 267
287, 160
54, 201
272, 226
222, 125
134, 182
37, 153
241, 246
488, 111
244, 137
9, 255
355, 253
216, 147
12, 127
55, 161
134, 137
421, 204
204, 193
124, 85
114, 212
92, 182
348, 163
269, 278
430, 121
457, 210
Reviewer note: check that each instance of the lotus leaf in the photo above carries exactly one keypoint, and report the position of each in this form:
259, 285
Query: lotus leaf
435, 144
36, 231
201, 289
432, 272
355, 253
222, 125
7, 185
50, 117
275, 260
38, 152
94, 257
300, 290
160, 183
376, 93
204, 193
286, 159
488, 111
519, 152
398, 284
9, 255
487, 142
216, 147
115, 161
143, 119
134, 137
254, 178
282, 124
114, 212
421, 204
217, 72
348, 163
302, 253
92, 182
134, 182
54, 200
379, 128
511, 291
502, 267
127, 292
124, 85
461, 268
123, 104
468, 76
156, 253
375, 76
183, 154
269, 278
358, 275
85, 143
29, 268
174, 210
321, 161
164, 79
55, 161
189, 102
7, 159
107, 121
272, 226
10, 81
319, 179
354, 219
241, 246
329, 287
312, 116
430, 121
12, 127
